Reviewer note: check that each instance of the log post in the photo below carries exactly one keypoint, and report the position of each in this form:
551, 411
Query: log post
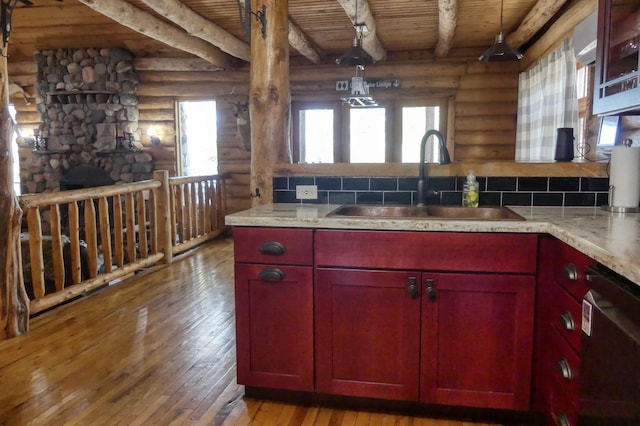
163, 216
14, 303
270, 97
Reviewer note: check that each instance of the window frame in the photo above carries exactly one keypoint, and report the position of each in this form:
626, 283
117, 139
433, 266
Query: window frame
393, 128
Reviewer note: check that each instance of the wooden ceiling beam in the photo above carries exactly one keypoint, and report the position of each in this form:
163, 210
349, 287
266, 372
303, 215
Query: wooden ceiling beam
299, 41
147, 24
447, 21
537, 17
370, 41
197, 26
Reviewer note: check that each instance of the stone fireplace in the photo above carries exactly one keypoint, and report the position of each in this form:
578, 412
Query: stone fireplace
87, 102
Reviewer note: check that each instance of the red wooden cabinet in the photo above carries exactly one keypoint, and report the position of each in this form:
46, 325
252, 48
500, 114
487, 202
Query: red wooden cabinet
274, 310
477, 340
367, 333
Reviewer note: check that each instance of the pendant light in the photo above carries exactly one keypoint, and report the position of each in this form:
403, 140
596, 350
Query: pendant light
500, 50
356, 54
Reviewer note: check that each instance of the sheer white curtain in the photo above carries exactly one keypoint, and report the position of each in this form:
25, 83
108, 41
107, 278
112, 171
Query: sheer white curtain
547, 100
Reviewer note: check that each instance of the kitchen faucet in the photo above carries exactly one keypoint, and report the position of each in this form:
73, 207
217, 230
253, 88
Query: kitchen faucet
443, 159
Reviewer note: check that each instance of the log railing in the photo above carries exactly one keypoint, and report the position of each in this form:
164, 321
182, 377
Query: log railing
97, 235
198, 206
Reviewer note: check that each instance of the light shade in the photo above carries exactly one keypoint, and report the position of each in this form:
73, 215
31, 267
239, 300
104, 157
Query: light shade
355, 55
500, 51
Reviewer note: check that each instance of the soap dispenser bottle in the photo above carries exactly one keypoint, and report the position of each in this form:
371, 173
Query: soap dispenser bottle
470, 191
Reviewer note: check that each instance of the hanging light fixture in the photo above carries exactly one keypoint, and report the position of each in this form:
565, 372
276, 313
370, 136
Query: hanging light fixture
500, 50
360, 97
356, 54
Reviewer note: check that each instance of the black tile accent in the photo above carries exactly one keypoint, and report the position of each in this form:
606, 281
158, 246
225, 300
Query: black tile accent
384, 184
547, 199
355, 183
564, 184
516, 199
301, 180
400, 197
280, 183
441, 183
602, 199
329, 183
451, 198
342, 197
594, 184
532, 183
580, 199
369, 197
407, 183
501, 184
285, 197
323, 197
490, 198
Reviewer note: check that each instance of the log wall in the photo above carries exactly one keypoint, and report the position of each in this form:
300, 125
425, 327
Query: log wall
483, 119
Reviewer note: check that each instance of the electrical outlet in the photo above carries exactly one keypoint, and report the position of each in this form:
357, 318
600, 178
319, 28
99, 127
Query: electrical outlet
306, 192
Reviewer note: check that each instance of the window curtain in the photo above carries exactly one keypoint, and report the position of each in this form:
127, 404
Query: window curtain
547, 100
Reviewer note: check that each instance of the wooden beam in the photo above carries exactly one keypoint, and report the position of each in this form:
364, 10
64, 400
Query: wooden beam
447, 21
147, 24
562, 28
197, 26
370, 41
269, 99
299, 41
537, 17
14, 303
173, 64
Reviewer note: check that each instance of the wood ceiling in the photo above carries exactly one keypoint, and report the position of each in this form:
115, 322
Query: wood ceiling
404, 28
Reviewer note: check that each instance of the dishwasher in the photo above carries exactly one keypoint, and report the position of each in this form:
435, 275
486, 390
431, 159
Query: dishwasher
610, 351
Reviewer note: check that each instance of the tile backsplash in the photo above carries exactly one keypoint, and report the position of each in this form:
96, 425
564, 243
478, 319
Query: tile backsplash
494, 191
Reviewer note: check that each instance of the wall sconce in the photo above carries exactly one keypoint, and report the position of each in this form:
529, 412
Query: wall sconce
155, 140
261, 16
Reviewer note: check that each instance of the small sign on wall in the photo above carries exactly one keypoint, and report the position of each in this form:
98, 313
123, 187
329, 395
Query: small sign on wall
379, 83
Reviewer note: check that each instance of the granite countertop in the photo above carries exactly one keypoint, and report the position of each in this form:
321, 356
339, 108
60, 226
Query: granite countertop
612, 239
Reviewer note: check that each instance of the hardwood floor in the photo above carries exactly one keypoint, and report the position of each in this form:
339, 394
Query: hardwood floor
157, 349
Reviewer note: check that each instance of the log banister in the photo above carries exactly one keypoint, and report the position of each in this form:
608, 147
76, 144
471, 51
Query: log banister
129, 226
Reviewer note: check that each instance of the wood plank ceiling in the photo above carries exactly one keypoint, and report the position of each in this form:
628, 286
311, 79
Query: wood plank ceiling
404, 28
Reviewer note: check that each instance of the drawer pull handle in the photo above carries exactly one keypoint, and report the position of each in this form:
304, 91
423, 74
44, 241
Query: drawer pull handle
562, 420
431, 289
567, 321
413, 288
564, 368
272, 248
271, 274
570, 272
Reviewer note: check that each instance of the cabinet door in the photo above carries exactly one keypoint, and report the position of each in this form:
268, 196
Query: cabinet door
367, 333
617, 64
274, 326
477, 333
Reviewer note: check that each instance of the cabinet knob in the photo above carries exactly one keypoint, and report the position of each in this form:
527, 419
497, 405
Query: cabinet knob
271, 274
570, 272
431, 289
564, 368
567, 321
413, 288
272, 248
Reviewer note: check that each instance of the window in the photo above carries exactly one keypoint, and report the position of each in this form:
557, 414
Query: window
198, 138
16, 156
329, 132
584, 76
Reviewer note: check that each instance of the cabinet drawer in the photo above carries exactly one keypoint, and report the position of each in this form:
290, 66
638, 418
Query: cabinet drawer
564, 368
563, 412
569, 270
566, 316
437, 251
284, 246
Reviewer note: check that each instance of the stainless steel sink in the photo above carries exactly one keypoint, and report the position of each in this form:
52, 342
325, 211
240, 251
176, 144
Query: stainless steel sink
426, 212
